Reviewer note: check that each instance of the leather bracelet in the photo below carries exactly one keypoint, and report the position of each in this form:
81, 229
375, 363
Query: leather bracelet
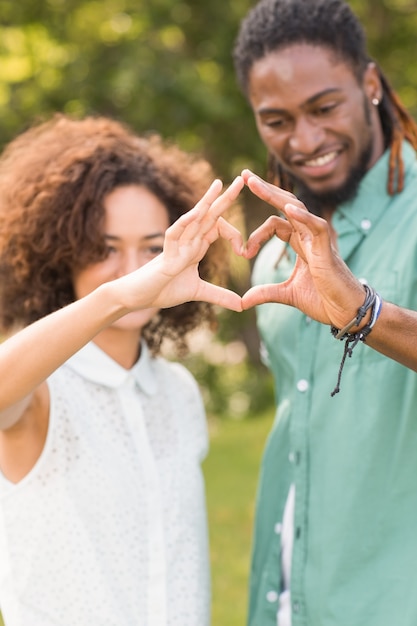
372, 301
370, 295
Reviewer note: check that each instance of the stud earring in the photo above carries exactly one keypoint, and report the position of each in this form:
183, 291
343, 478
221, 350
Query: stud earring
375, 101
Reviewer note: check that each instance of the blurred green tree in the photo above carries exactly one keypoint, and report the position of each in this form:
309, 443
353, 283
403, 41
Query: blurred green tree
160, 65
156, 64
165, 66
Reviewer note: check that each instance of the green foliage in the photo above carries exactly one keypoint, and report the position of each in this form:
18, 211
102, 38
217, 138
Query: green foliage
233, 386
167, 66
231, 472
158, 65
391, 27
161, 65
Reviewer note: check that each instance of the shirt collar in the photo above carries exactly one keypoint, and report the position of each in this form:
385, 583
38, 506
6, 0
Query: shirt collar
96, 366
356, 219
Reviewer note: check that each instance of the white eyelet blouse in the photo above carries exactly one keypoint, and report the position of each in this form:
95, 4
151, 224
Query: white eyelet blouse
109, 527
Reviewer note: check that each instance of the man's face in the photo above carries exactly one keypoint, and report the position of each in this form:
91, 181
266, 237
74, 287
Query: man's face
317, 119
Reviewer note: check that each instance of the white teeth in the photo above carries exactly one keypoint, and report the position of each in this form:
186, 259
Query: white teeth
323, 160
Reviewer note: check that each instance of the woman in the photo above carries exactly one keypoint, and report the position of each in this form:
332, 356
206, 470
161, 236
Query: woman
101, 495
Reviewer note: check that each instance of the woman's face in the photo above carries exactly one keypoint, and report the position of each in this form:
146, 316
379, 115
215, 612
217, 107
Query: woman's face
134, 230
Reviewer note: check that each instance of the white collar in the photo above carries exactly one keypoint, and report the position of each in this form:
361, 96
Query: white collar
96, 366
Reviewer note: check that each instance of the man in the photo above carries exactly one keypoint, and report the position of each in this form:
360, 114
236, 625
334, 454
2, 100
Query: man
335, 537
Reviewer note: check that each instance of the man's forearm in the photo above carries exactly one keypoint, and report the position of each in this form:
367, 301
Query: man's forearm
395, 334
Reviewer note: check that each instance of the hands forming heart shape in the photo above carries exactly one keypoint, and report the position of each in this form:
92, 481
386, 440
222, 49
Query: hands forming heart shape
321, 285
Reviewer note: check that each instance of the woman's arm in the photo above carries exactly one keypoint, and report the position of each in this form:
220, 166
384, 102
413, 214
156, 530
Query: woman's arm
31, 355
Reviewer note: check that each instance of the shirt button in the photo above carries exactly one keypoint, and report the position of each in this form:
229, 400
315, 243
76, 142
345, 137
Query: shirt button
130, 381
278, 528
272, 596
302, 385
366, 224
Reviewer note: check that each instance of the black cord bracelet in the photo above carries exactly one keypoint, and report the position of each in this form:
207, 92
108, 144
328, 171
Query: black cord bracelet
372, 301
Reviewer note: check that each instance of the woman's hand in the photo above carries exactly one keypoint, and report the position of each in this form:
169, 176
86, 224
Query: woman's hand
169, 279
172, 277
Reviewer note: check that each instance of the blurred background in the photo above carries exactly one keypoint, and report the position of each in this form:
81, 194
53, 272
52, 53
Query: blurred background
165, 65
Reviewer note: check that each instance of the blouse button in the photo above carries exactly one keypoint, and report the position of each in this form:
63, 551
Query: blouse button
130, 381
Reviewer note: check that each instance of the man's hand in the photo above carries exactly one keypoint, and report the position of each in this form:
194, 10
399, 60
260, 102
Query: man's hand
321, 285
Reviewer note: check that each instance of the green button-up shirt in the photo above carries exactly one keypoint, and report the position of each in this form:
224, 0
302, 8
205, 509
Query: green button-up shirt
353, 457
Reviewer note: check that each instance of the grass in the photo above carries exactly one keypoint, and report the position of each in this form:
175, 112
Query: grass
231, 472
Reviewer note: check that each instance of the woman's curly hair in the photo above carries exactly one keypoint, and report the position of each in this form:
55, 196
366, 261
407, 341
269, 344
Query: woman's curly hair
53, 180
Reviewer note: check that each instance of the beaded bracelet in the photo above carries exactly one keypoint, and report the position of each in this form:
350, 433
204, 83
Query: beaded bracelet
372, 301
